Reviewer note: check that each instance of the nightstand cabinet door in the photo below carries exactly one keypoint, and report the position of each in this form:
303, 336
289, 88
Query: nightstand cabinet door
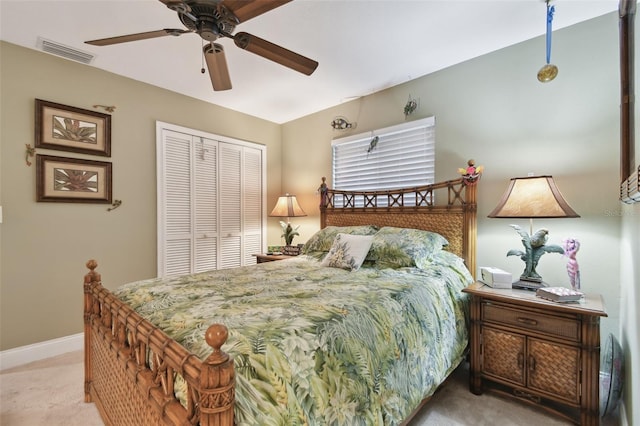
554, 369
503, 355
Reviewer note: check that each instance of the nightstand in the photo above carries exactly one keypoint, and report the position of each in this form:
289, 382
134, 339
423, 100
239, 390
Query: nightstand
538, 351
261, 258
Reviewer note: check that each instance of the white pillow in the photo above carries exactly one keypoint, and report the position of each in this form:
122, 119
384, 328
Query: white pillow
348, 251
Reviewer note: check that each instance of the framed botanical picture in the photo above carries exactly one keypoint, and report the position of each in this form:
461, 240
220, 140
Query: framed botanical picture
72, 180
66, 128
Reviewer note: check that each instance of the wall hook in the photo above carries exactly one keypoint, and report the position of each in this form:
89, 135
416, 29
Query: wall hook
30, 153
108, 108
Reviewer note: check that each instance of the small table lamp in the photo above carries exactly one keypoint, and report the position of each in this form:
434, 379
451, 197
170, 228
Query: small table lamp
532, 197
287, 206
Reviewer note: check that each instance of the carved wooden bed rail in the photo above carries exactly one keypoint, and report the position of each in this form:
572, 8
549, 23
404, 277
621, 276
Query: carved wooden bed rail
147, 363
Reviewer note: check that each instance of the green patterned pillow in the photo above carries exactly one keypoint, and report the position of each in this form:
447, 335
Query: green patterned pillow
320, 243
348, 251
402, 247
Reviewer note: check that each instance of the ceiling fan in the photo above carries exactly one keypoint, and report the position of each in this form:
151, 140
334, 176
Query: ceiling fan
212, 19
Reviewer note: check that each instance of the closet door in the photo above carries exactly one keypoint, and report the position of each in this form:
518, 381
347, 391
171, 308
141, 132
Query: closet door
253, 179
230, 205
241, 204
205, 206
210, 201
175, 221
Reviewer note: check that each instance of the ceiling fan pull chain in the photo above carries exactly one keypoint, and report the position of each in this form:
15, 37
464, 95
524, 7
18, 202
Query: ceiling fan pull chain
202, 70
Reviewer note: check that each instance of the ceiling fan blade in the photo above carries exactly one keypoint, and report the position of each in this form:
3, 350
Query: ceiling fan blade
275, 53
247, 9
217, 64
136, 37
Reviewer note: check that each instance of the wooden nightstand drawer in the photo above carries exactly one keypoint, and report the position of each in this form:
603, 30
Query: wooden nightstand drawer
552, 325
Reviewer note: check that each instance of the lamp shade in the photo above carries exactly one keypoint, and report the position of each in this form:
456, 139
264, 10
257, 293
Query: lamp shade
287, 206
533, 197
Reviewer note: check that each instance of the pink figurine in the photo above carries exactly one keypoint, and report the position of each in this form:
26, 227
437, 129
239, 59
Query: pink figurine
571, 247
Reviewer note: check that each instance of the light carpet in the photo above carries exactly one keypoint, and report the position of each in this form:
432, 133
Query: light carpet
50, 392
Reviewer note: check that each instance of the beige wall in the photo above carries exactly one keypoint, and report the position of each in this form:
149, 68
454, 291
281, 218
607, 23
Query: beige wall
491, 108
45, 245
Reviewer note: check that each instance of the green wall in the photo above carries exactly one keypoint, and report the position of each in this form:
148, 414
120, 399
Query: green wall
493, 109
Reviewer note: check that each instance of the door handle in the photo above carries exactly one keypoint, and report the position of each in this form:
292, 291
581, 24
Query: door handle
520, 360
532, 363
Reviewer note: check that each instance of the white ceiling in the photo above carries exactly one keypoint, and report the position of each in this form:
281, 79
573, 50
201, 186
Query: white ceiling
362, 46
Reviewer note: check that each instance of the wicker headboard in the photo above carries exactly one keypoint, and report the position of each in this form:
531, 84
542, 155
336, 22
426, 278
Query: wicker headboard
448, 208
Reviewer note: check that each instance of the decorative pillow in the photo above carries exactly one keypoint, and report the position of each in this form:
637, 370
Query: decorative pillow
320, 243
348, 251
400, 247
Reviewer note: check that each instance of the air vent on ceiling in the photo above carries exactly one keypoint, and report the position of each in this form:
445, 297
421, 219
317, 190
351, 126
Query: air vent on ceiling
67, 52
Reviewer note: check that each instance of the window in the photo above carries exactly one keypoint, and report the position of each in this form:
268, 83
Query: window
394, 157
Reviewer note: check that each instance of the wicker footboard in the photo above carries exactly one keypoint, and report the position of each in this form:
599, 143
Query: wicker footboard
131, 367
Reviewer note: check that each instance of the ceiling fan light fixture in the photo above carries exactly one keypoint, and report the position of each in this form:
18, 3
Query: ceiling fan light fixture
217, 65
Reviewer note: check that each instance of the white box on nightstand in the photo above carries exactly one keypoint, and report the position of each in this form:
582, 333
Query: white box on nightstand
494, 277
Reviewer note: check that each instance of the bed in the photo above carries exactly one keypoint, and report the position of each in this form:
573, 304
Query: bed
349, 347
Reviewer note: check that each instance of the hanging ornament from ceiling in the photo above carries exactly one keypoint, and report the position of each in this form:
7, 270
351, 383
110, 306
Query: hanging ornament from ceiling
549, 71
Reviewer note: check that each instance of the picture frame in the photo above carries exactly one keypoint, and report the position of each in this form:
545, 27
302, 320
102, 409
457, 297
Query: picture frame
73, 180
66, 128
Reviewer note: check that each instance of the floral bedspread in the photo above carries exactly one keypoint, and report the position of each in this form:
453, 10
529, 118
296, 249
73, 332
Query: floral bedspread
315, 345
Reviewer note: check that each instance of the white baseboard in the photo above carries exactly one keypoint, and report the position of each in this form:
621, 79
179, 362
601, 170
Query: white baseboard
37, 351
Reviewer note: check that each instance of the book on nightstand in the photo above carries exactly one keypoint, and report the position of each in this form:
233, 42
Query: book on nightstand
559, 294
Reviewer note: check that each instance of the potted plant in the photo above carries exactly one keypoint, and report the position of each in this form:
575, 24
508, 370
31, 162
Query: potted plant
288, 232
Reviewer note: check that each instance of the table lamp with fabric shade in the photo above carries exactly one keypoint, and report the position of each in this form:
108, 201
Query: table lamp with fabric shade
287, 206
532, 197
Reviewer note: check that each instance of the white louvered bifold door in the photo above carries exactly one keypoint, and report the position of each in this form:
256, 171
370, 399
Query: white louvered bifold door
252, 203
175, 205
205, 205
210, 201
230, 207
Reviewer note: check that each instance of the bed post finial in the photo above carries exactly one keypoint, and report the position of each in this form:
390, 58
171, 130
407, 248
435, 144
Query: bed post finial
217, 381
92, 276
324, 201
322, 189
216, 336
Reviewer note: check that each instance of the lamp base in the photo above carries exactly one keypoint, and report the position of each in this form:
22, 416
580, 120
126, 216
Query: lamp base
529, 285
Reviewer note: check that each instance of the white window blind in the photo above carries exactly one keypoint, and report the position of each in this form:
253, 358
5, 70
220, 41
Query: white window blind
393, 157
